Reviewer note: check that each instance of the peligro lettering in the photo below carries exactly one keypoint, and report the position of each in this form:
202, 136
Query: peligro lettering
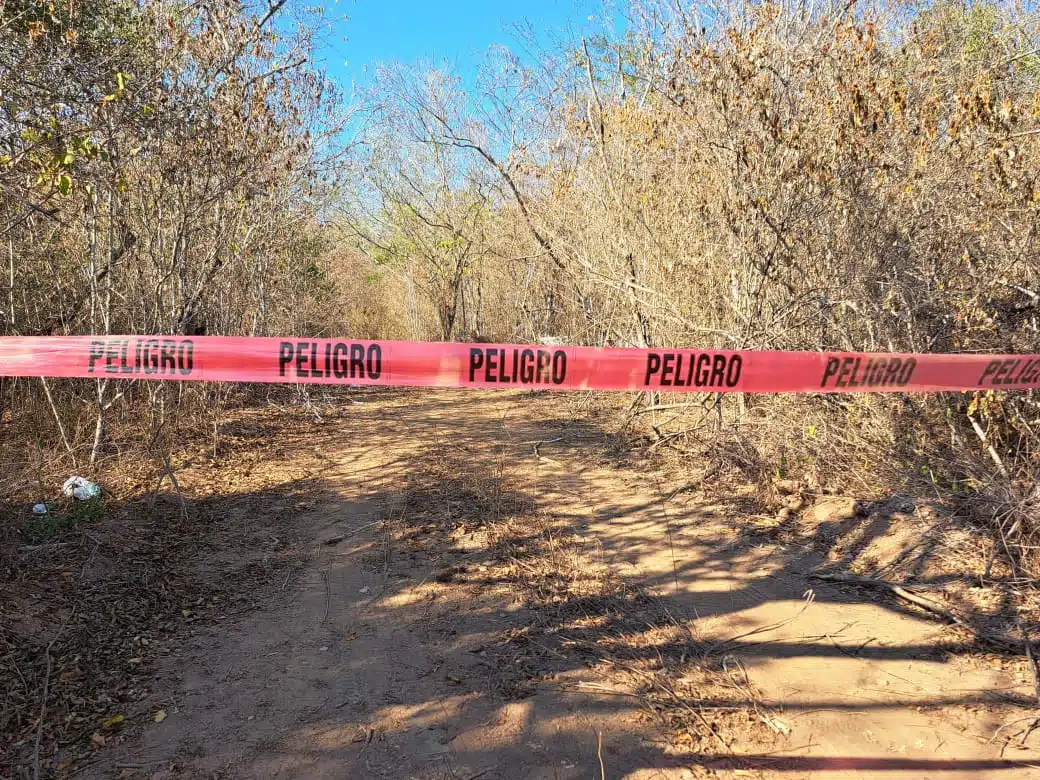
692, 369
867, 372
518, 366
1011, 371
147, 356
343, 360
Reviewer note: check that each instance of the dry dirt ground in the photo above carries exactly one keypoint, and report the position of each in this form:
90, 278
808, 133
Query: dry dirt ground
470, 585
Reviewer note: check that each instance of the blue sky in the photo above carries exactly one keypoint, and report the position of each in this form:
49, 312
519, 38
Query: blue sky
458, 32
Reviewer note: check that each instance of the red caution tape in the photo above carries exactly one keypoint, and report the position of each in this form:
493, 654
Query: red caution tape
412, 363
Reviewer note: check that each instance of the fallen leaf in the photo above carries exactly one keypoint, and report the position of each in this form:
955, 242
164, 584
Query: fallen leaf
352, 636
114, 721
186, 612
98, 740
160, 716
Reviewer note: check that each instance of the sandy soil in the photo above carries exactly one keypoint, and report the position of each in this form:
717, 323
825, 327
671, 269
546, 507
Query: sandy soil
599, 627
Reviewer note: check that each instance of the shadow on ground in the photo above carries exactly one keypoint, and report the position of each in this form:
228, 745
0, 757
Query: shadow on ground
455, 614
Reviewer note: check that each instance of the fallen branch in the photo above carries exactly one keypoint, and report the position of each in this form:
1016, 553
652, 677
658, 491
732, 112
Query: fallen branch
808, 598
989, 447
669, 691
1027, 643
920, 601
387, 554
168, 469
328, 596
43, 698
537, 444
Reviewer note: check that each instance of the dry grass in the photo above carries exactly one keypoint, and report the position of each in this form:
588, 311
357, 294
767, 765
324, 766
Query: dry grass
583, 613
86, 611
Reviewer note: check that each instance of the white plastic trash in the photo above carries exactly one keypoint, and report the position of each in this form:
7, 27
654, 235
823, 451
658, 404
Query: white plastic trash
39, 509
80, 488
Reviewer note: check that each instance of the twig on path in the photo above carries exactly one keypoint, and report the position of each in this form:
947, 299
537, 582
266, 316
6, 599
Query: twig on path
537, 444
1009, 724
369, 735
387, 555
809, 597
926, 604
43, 701
328, 596
482, 772
1036, 679
599, 755
989, 448
591, 687
671, 538
361, 528
1032, 659
913, 598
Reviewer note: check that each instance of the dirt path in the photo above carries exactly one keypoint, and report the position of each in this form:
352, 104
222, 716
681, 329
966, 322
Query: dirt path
424, 643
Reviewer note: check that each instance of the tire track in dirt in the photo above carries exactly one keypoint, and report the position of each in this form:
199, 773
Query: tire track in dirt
480, 617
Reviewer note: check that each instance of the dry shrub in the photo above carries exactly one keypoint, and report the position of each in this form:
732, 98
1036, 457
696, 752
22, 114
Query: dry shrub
861, 178
163, 172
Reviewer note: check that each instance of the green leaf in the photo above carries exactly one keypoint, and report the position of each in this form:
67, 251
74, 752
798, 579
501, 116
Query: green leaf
64, 184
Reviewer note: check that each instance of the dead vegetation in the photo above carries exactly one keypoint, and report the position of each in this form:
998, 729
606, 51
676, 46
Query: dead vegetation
88, 605
859, 177
581, 611
99, 606
850, 176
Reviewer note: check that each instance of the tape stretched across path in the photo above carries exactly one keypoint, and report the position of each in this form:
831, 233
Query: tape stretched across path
425, 364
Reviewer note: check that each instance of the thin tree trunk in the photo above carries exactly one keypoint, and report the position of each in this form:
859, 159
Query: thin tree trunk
57, 417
